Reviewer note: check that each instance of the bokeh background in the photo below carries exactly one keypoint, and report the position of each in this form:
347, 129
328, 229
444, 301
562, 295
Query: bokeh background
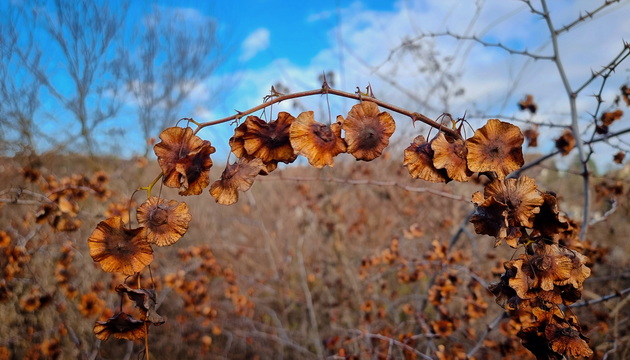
342, 262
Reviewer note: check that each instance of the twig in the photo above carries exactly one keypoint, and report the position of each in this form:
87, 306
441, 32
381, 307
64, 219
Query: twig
18, 192
413, 115
623, 55
601, 299
611, 351
368, 182
460, 230
533, 163
475, 38
524, 121
575, 127
394, 341
309, 298
610, 211
588, 14
489, 329
264, 335
529, 165
95, 349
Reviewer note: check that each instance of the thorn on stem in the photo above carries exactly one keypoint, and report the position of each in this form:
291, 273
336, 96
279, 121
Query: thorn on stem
325, 86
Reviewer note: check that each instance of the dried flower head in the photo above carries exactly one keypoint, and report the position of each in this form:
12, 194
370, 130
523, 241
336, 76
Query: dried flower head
30, 174
490, 217
318, 142
505, 207
609, 117
497, 146
531, 135
165, 221
618, 157
91, 305
566, 339
184, 159
5, 239
443, 328
625, 94
65, 222
269, 141
419, 162
145, 300
528, 104
51, 348
506, 296
237, 143
450, 154
236, 177
534, 340
118, 249
99, 179
122, 326
553, 273
520, 195
34, 300
548, 221
367, 131
566, 142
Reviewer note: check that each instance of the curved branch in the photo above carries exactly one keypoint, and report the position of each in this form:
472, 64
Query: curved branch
325, 90
588, 14
530, 165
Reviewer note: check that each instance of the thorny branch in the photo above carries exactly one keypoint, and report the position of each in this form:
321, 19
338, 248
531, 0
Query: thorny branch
587, 15
609, 68
617, 294
541, 159
493, 325
415, 116
371, 182
575, 127
474, 38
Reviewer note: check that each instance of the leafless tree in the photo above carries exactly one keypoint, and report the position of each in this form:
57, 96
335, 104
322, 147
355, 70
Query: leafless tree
73, 60
18, 91
84, 62
169, 54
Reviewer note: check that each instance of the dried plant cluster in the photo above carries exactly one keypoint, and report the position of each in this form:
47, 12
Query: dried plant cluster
535, 289
416, 296
457, 246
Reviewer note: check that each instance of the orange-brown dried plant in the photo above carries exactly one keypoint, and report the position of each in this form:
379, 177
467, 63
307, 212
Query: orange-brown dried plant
119, 249
318, 142
496, 147
184, 159
236, 177
164, 221
367, 131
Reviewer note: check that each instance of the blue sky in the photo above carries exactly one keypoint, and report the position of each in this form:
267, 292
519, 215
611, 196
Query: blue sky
354, 39
293, 42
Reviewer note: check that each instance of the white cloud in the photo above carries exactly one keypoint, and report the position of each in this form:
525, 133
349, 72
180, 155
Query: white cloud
174, 15
254, 43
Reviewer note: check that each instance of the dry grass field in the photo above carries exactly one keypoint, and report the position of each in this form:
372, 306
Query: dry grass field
355, 261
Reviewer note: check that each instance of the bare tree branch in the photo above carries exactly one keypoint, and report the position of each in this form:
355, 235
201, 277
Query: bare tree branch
85, 34
166, 64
